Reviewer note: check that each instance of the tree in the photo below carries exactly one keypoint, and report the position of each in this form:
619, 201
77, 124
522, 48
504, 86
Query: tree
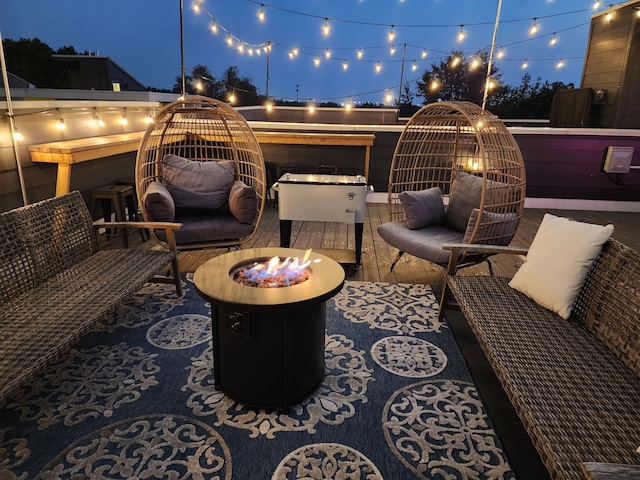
200, 82
528, 100
244, 91
457, 78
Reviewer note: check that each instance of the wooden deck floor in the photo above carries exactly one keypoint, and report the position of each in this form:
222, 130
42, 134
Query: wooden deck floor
377, 255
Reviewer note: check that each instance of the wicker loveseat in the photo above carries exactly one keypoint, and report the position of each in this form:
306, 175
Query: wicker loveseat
55, 283
574, 383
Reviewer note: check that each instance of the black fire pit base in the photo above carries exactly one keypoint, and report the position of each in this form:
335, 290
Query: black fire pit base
269, 359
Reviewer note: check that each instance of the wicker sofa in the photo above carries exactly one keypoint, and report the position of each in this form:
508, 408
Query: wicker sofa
55, 283
575, 383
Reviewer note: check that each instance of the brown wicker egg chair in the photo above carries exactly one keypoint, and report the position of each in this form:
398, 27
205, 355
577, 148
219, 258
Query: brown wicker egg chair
189, 134
474, 161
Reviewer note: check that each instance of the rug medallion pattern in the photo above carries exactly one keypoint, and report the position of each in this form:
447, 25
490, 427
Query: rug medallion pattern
136, 399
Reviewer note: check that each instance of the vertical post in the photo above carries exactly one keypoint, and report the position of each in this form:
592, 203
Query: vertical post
404, 53
493, 46
184, 89
268, 54
12, 123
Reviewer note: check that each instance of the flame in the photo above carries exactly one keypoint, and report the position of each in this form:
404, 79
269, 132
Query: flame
278, 272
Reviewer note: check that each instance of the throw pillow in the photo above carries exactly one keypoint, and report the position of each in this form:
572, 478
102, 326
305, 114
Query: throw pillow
243, 202
495, 228
201, 185
464, 196
558, 262
423, 207
159, 203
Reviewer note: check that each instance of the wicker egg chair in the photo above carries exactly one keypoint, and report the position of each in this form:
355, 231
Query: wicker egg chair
202, 129
473, 159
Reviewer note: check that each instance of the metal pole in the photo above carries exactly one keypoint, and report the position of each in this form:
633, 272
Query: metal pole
268, 54
493, 46
184, 89
404, 52
12, 124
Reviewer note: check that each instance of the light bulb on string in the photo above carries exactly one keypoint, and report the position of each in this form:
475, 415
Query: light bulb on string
378, 67
609, 16
553, 40
560, 64
261, 15
311, 107
388, 98
475, 63
435, 84
149, 118
269, 106
525, 64
97, 121
327, 53
392, 50
325, 28
500, 52
596, 5
455, 61
241, 48
316, 61
232, 98
392, 34
414, 66
213, 27
123, 119
345, 65
360, 53
424, 53
229, 40
461, 33
17, 135
534, 27
348, 106
195, 6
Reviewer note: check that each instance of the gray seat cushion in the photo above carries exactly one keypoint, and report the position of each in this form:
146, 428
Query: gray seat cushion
423, 243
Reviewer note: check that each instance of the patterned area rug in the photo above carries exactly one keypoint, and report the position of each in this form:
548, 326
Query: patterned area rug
135, 399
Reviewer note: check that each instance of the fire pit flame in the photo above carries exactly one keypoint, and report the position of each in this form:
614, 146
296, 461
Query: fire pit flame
275, 273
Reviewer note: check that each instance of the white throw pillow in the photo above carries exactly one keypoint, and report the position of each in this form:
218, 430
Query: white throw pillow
558, 261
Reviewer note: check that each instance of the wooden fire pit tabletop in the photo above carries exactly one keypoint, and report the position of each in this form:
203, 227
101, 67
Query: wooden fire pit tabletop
213, 280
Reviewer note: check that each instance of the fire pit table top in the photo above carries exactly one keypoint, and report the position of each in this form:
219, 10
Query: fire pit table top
214, 280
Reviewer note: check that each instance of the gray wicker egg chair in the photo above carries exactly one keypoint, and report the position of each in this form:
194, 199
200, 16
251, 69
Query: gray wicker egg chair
474, 161
188, 135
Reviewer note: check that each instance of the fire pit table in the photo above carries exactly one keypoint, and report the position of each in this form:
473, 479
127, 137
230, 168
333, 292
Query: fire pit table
268, 341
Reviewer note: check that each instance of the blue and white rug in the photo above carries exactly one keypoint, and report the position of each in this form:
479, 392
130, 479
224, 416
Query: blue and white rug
135, 399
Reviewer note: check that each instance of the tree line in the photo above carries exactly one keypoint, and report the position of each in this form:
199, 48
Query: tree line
455, 78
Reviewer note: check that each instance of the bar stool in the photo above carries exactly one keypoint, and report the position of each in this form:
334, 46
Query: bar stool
115, 198
132, 205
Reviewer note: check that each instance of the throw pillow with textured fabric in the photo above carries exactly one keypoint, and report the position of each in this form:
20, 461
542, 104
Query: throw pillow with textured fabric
201, 185
464, 196
423, 207
558, 262
243, 202
159, 203
495, 228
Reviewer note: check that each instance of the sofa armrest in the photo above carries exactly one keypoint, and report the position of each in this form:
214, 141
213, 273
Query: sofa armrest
457, 249
169, 227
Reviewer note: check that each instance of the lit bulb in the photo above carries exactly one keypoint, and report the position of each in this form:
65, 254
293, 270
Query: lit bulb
250, 51
560, 64
378, 67
388, 98
316, 61
360, 53
214, 27
241, 48
475, 64
123, 119
311, 107
414, 66
392, 34
501, 53
261, 13
17, 135
424, 53
148, 119
491, 84
196, 7
229, 40
60, 125
461, 34
345, 65
596, 5
553, 40
455, 61
434, 84
198, 85
534, 27
609, 15
525, 64
325, 27
392, 50
232, 98
269, 106
327, 53
348, 106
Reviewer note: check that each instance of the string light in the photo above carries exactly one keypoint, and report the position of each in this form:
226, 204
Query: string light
17, 135
229, 39
596, 5
360, 53
325, 28
123, 119
435, 84
232, 98
97, 121
392, 50
534, 27
378, 67
609, 16
525, 64
461, 34
269, 106
424, 53
348, 106
392, 34
455, 61
261, 15
311, 108
500, 52
327, 53
316, 61
475, 63
214, 27
345, 65
388, 98
560, 64
149, 118
553, 40
414, 66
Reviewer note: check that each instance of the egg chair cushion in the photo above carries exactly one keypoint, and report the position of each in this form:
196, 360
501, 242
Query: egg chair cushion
423, 243
495, 229
423, 207
243, 202
464, 196
159, 203
198, 228
201, 185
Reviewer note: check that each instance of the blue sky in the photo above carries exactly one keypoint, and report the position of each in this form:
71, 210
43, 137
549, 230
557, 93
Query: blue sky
143, 36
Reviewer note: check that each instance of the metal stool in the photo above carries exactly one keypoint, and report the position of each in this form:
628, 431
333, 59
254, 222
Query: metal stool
132, 205
116, 198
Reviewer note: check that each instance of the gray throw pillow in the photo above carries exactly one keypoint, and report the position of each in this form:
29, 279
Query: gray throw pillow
464, 196
243, 202
494, 229
201, 185
423, 207
159, 203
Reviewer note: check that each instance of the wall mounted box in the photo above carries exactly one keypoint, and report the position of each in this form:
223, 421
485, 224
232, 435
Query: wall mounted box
618, 159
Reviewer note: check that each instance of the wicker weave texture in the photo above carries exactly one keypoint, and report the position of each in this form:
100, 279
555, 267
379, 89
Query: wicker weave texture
578, 401
445, 138
205, 130
56, 285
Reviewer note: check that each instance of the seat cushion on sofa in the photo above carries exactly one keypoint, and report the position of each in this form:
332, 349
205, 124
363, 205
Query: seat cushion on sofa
159, 203
423, 208
193, 184
197, 228
243, 202
494, 229
423, 243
